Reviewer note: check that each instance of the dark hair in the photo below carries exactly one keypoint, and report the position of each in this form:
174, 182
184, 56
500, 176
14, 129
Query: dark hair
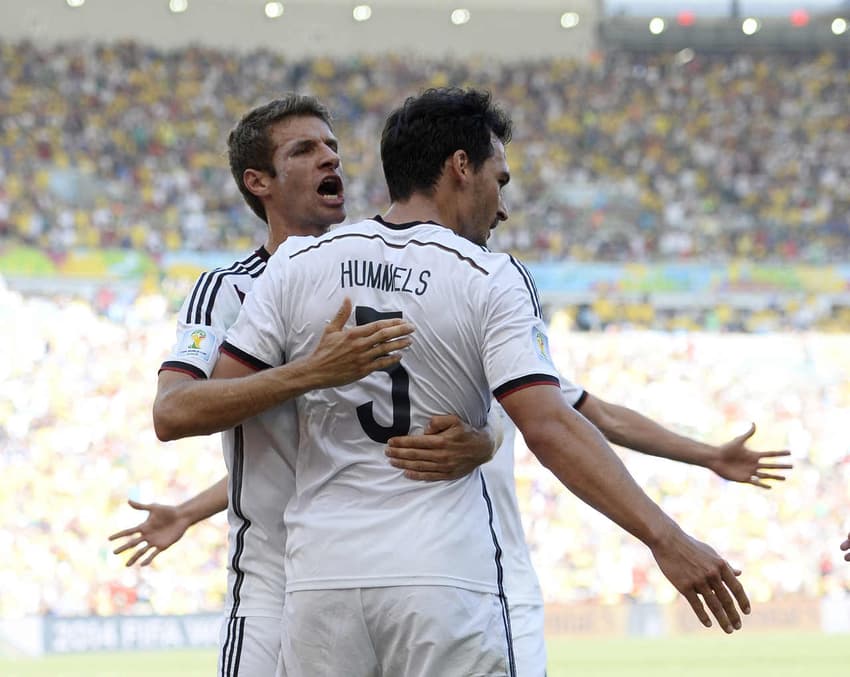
427, 129
249, 144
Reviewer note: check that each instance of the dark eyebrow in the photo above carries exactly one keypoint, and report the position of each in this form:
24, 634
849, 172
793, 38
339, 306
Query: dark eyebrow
304, 145
301, 145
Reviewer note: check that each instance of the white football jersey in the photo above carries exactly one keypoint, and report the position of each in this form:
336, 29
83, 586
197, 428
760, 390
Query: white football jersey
356, 521
259, 454
521, 583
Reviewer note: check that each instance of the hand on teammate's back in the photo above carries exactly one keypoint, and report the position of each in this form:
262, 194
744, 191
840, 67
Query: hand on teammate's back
846, 546
704, 578
347, 355
163, 527
449, 449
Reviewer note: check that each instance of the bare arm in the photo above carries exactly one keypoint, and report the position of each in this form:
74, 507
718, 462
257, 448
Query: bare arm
569, 446
166, 524
732, 460
184, 407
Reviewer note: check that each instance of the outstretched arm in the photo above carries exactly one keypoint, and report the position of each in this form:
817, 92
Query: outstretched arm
166, 524
569, 446
732, 460
184, 407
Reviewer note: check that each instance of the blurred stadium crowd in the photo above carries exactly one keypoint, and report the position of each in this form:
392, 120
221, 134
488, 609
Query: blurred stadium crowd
616, 159
77, 381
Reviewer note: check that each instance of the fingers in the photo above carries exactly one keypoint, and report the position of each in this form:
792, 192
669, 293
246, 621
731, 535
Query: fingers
139, 553
439, 424
150, 557
411, 445
126, 532
342, 315
388, 348
747, 435
769, 476
775, 466
382, 330
421, 462
712, 599
773, 454
139, 506
699, 609
715, 592
129, 544
382, 363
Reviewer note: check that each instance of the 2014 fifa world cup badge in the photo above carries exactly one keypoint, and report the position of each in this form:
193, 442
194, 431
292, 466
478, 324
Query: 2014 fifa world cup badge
541, 345
198, 343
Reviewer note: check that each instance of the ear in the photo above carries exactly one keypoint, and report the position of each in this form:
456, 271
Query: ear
458, 166
256, 181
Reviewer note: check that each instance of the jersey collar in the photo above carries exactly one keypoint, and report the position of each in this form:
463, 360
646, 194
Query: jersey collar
404, 226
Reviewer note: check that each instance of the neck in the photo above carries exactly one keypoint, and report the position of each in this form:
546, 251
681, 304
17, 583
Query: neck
278, 233
420, 207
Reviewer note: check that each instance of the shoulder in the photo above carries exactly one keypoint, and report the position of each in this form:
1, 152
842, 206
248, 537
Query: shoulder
295, 247
224, 287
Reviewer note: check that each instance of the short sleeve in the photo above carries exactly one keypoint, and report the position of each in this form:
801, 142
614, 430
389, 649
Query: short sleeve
257, 338
201, 326
515, 346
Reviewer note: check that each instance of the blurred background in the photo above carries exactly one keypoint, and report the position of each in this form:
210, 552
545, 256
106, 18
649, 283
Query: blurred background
681, 192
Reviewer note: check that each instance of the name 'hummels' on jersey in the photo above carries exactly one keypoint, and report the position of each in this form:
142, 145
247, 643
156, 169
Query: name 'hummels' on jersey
384, 276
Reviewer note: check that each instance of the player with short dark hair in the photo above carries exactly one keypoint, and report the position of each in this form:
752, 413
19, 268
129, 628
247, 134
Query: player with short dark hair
385, 575
284, 157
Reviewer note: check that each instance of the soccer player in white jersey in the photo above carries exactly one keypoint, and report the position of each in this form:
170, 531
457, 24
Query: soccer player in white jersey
278, 152
283, 149
387, 575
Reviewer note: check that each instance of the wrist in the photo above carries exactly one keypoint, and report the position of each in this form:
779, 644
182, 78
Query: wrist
662, 534
296, 378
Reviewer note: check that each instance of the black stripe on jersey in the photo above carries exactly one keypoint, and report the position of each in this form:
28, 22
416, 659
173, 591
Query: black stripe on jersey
224, 655
183, 367
525, 382
243, 357
231, 650
580, 400
201, 306
419, 243
236, 503
500, 578
529, 285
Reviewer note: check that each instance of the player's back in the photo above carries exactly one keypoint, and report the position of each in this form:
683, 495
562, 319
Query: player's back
356, 521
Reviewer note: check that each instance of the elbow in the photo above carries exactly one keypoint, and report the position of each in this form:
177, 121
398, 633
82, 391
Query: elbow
165, 424
540, 440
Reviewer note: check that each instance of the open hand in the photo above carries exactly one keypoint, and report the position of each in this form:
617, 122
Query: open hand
163, 528
705, 579
737, 463
347, 355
